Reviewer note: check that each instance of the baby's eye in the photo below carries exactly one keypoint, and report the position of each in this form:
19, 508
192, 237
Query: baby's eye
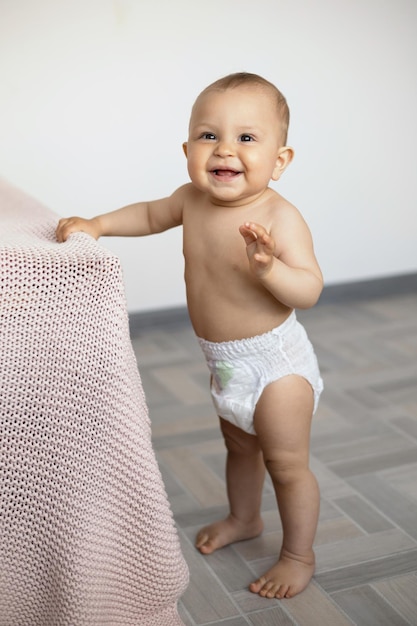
210, 136
245, 138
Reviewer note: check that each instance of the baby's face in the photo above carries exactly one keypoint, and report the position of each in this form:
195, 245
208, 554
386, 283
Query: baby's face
234, 144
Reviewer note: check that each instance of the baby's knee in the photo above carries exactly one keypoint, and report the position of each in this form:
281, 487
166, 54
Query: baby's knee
286, 471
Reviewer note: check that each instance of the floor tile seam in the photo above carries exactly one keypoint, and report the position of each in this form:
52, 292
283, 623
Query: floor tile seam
339, 608
219, 511
363, 343
280, 605
350, 378
406, 533
384, 474
385, 599
381, 476
403, 530
225, 620
334, 465
390, 422
358, 587
333, 602
357, 524
385, 515
190, 494
177, 439
375, 560
384, 370
185, 610
350, 385
368, 438
398, 429
381, 559
161, 357
179, 482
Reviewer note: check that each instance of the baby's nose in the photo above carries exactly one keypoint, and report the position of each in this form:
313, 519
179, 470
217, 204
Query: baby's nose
225, 148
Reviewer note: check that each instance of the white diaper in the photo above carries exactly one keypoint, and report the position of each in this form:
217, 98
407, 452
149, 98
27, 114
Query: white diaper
242, 369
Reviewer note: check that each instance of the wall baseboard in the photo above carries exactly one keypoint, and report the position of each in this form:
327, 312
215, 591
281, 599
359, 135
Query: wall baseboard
332, 294
177, 316
374, 288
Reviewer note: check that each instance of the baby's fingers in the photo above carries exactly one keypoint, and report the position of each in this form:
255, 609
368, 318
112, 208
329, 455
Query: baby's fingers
248, 234
261, 236
63, 229
67, 226
256, 230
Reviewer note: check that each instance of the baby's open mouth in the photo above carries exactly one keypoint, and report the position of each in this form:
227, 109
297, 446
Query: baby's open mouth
225, 173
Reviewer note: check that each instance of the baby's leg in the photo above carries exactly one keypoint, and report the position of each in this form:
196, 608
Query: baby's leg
282, 422
245, 473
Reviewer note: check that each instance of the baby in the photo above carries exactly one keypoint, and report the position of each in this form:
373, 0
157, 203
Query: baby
249, 263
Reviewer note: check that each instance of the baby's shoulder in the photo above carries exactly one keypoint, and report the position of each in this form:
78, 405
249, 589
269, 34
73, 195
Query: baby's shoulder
188, 192
284, 216
280, 207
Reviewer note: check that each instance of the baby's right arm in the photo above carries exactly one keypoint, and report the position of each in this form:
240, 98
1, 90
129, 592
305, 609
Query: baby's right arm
133, 220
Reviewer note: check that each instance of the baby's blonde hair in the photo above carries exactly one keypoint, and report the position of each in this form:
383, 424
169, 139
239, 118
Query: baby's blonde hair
240, 79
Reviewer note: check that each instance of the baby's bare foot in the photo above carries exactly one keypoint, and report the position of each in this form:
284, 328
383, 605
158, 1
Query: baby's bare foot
229, 530
287, 578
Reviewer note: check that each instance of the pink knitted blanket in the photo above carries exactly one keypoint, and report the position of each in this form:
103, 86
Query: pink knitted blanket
87, 537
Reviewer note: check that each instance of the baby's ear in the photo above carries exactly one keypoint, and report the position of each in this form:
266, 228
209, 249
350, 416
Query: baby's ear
284, 158
185, 147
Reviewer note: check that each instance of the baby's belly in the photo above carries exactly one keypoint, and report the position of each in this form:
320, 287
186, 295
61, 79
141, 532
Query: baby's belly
217, 318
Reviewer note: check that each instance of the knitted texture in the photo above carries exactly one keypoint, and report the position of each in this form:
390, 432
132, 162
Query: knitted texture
87, 537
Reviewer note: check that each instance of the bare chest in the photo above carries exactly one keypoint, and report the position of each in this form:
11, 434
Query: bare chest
212, 237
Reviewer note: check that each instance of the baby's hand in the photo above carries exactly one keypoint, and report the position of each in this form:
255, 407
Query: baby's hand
68, 225
260, 247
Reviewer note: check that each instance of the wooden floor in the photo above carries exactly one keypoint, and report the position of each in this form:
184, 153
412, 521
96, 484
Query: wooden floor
363, 452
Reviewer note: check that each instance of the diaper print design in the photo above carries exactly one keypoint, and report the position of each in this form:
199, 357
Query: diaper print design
222, 373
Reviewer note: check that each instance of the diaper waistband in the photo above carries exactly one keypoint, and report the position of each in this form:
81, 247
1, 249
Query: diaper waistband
221, 349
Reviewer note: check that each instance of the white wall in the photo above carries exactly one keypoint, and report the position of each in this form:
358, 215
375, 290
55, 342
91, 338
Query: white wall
95, 97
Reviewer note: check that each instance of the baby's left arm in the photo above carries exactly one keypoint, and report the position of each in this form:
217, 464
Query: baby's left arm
285, 264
